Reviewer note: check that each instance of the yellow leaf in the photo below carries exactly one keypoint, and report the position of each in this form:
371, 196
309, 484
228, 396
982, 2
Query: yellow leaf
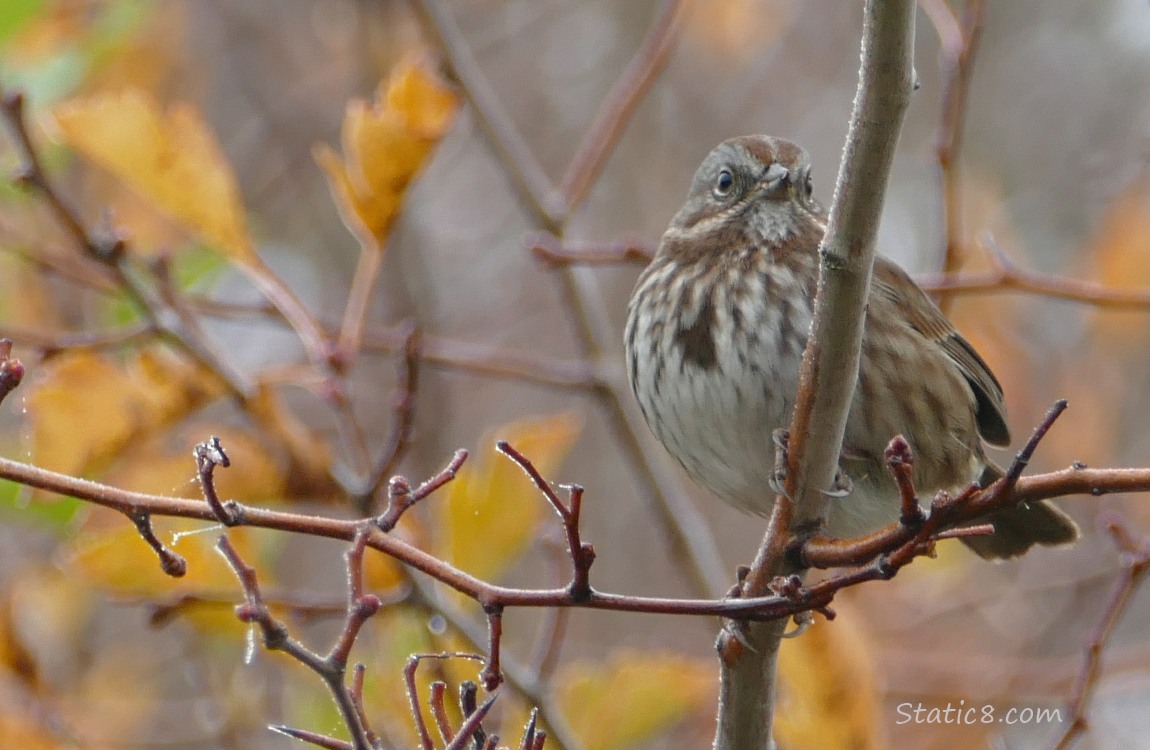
171, 158
114, 559
165, 466
492, 510
88, 408
828, 698
635, 697
385, 143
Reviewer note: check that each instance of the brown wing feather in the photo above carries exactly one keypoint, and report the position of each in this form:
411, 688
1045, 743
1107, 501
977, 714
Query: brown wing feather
894, 283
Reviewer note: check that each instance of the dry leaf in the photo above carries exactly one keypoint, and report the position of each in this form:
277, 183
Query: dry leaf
828, 698
164, 466
170, 157
385, 143
634, 697
87, 408
114, 559
491, 510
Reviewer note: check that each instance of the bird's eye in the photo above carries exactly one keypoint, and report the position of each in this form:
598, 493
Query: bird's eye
724, 183
808, 187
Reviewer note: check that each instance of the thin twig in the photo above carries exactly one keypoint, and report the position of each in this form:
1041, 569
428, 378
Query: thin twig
210, 454
1005, 276
170, 562
319, 740
612, 118
409, 672
400, 496
582, 555
959, 45
552, 251
330, 669
1136, 564
11, 370
403, 420
535, 188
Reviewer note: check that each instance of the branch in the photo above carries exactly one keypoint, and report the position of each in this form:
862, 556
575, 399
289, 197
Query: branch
959, 46
605, 131
330, 668
1005, 276
1136, 564
831, 360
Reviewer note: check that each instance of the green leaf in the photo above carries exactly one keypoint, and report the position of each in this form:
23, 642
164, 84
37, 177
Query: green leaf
16, 13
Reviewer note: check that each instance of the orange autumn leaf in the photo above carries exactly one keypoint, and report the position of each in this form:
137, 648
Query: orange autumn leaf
171, 158
385, 143
87, 408
1121, 252
828, 697
491, 510
633, 698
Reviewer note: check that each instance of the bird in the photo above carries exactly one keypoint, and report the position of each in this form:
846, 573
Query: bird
716, 328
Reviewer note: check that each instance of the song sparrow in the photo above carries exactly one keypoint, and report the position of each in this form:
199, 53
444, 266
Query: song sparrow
715, 334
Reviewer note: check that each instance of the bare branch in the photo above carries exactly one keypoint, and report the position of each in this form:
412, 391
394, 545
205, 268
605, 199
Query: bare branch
831, 359
1136, 564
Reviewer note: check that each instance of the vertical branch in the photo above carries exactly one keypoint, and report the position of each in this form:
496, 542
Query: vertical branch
831, 360
959, 46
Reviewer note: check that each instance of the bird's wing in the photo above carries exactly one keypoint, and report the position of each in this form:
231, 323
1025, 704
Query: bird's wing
892, 282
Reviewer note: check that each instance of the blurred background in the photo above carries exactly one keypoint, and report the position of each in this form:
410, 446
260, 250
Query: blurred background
1053, 167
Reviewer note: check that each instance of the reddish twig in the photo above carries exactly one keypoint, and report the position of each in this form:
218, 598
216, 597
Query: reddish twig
471, 727
33, 174
492, 674
171, 563
1135, 565
332, 668
360, 606
319, 740
409, 672
52, 342
11, 370
531, 734
400, 496
554, 252
210, 454
900, 461
439, 711
582, 555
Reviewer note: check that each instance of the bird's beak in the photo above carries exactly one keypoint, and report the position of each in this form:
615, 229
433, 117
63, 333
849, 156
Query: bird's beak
775, 178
